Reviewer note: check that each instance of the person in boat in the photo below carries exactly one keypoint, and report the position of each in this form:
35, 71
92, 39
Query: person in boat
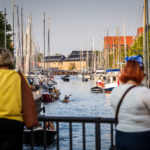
66, 99
133, 128
55, 90
50, 125
11, 116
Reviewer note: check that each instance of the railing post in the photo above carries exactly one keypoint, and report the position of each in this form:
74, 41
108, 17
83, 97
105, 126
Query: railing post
112, 137
97, 136
45, 138
83, 134
32, 139
70, 133
57, 129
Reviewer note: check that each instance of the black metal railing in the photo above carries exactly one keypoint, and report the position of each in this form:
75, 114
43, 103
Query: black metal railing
83, 120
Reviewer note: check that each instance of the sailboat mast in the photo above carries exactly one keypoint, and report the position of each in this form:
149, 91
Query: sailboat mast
49, 41
22, 34
13, 14
48, 37
44, 38
147, 28
30, 44
87, 60
82, 58
18, 42
117, 48
144, 40
5, 43
114, 61
125, 47
93, 52
107, 51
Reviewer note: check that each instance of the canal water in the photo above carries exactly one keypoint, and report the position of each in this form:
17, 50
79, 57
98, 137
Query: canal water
82, 103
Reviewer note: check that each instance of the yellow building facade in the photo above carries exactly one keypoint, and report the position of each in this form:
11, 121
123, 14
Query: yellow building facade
66, 65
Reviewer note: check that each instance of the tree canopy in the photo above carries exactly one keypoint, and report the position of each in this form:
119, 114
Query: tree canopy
137, 47
2, 33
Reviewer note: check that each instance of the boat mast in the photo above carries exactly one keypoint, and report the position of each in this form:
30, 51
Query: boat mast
99, 54
125, 47
119, 53
117, 60
22, 34
44, 39
18, 42
5, 42
48, 41
145, 44
80, 60
107, 52
13, 14
82, 57
87, 59
30, 52
94, 63
147, 28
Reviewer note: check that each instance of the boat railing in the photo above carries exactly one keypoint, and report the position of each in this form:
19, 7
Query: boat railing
81, 120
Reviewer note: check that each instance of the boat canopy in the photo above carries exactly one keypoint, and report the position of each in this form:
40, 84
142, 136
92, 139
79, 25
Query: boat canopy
137, 58
112, 70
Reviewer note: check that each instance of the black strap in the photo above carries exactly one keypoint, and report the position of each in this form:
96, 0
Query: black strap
120, 102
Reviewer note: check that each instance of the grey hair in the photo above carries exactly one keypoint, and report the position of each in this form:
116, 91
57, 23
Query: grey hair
6, 58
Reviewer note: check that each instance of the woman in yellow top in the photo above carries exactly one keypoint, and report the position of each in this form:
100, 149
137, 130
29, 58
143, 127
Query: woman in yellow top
11, 117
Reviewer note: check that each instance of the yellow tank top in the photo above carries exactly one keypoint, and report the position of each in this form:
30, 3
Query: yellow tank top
10, 95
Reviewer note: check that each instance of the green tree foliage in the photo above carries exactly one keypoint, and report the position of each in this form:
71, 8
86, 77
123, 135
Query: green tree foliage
72, 66
40, 57
110, 61
137, 47
2, 33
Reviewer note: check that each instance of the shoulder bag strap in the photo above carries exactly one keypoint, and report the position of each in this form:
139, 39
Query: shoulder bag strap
120, 102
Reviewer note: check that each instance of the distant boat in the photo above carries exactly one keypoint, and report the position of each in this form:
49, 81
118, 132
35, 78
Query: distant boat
65, 78
109, 87
84, 74
112, 80
51, 94
84, 79
66, 99
97, 89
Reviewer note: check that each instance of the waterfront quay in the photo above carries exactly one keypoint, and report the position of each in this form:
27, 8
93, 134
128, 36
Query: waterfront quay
86, 122
64, 72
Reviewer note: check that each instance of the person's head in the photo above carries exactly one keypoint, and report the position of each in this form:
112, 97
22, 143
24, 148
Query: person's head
6, 59
132, 71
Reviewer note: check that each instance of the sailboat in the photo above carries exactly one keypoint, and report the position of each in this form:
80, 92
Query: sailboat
28, 54
50, 93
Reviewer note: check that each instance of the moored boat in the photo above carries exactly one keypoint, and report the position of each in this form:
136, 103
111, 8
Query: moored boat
38, 136
84, 79
97, 89
65, 78
112, 80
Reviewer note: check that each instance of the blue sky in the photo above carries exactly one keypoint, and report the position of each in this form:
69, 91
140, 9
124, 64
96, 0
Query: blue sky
74, 21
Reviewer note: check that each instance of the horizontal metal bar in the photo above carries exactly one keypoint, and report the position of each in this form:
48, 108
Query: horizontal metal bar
77, 119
